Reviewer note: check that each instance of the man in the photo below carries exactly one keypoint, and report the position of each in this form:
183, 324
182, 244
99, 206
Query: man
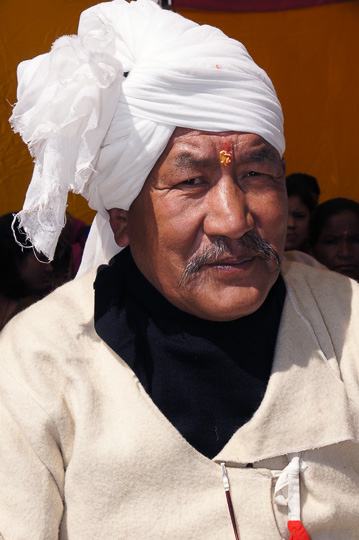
199, 392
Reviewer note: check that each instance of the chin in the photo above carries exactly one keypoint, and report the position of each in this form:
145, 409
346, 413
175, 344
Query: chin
228, 307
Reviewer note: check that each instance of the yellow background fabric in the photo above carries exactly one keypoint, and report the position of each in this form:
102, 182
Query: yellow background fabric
310, 54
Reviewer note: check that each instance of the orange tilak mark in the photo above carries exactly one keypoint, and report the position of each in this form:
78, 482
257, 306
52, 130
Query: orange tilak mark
225, 157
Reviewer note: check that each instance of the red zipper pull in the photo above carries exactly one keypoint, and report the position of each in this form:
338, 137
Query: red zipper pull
297, 531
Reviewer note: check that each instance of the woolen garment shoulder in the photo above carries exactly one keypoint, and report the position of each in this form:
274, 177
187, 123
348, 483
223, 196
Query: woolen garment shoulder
207, 377
85, 453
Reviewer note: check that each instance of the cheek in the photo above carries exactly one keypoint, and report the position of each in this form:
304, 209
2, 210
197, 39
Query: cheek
326, 254
162, 238
271, 215
179, 225
178, 209
302, 227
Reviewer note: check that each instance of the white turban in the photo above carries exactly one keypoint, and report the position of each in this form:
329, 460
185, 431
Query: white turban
98, 110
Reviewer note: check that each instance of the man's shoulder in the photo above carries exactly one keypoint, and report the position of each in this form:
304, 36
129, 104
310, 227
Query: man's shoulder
300, 256
300, 271
330, 291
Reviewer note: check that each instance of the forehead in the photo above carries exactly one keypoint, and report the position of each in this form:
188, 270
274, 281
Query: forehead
296, 203
204, 146
346, 220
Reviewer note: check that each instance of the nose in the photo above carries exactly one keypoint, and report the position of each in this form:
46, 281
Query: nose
291, 222
227, 211
345, 248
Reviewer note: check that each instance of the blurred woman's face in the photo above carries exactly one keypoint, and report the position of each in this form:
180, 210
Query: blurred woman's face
298, 221
338, 244
36, 275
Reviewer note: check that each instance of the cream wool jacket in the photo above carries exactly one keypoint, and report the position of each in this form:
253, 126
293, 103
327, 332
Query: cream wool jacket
86, 455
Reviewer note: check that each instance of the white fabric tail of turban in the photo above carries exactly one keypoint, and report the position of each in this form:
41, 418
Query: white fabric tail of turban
98, 110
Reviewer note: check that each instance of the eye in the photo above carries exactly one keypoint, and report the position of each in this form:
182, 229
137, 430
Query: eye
260, 175
253, 173
251, 179
331, 241
299, 215
191, 182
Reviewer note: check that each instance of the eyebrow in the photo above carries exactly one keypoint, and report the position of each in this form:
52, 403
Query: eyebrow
265, 154
190, 161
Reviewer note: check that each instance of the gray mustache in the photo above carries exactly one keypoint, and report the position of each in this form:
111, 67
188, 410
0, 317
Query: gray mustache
222, 246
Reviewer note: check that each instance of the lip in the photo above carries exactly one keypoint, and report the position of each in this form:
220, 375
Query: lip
230, 264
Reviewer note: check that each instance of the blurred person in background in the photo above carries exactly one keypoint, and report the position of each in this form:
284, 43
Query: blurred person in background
334, 236
301, 203
24, 278
69, 250
306, 180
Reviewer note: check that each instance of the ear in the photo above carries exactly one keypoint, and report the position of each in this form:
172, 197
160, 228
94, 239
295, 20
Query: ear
119, 226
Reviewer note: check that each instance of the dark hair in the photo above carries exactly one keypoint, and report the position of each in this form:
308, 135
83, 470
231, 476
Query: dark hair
295, 189
324, 211
12, 256
305, 180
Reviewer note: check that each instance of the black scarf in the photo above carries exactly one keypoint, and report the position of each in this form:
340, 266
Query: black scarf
207, 378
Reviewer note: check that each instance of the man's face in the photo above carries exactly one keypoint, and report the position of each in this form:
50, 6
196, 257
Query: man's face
184, 226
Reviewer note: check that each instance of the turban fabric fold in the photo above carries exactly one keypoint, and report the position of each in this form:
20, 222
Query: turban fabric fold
98, 110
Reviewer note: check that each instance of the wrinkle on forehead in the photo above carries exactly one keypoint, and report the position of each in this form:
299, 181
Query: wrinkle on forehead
227, 141
181, 132
266, 153
191, 148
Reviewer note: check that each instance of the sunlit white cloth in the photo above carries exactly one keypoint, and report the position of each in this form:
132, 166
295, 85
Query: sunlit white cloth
299, 256
98, 110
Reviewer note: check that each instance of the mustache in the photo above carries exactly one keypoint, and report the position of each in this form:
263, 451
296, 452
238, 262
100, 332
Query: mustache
222, 246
